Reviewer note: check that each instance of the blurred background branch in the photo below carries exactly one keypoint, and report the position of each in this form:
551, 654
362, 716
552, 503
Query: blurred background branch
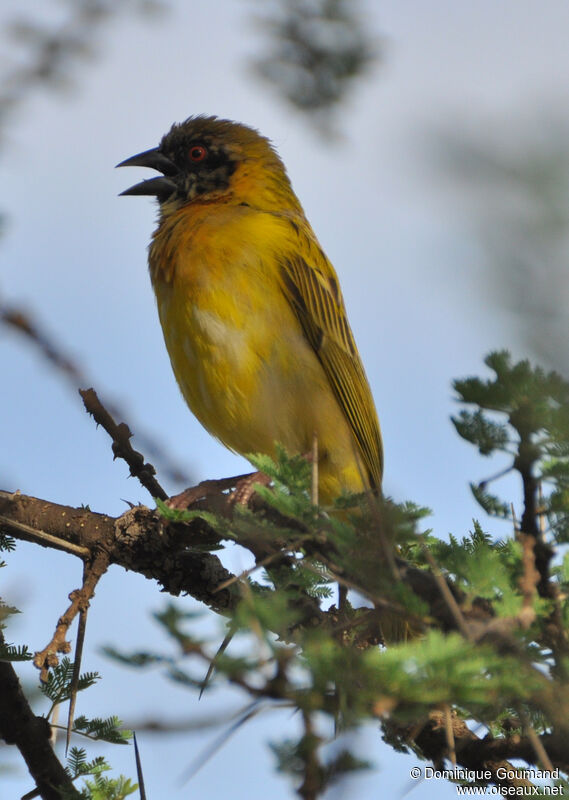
316, 49
46, 55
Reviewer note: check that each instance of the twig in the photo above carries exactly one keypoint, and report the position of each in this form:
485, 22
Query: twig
497, 476
80, 598
536, 743
79, 642
376, 506
314, 466
122, 448
514, 521
447, 594
449, 732
262, 563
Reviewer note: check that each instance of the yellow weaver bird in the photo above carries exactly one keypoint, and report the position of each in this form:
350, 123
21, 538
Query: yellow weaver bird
251, 308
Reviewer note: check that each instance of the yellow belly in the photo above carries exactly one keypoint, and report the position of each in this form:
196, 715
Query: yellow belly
238, 352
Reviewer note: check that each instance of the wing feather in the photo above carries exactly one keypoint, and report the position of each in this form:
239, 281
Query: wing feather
313, 292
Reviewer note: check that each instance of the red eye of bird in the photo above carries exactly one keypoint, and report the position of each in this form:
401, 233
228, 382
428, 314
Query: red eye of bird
197, 153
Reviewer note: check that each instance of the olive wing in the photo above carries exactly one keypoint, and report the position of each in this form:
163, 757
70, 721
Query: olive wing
315, 296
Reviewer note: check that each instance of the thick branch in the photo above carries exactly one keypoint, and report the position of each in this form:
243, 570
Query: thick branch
31, 735
142, 541
474, 753
139, 540
175, 555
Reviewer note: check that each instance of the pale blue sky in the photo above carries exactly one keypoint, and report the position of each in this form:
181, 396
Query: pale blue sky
74, 253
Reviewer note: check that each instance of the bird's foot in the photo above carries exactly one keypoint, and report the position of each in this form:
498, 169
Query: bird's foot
245, 487
194, 494
242, 486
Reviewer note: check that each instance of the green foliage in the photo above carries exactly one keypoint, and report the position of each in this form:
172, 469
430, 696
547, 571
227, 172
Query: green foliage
58, 689
181, 515
290, 474
446, 669
107, 730
317, 50
481, 431
7, 543
417, 675
535, 399
58, 686
102, 787
11, 652
291, 477
484, 568
532, 408
77, 763
491, 504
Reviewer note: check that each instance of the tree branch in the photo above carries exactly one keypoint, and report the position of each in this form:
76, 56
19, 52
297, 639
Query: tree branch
474, 753
122, 448
174, 554
31, 735
139, 540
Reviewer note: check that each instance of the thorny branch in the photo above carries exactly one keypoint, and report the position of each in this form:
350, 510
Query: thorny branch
80, 599
121, 435
138, 540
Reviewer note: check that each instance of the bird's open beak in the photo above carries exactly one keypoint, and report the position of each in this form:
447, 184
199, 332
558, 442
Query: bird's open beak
161, 187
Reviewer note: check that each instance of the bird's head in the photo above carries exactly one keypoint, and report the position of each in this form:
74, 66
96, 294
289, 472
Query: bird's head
206, 159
